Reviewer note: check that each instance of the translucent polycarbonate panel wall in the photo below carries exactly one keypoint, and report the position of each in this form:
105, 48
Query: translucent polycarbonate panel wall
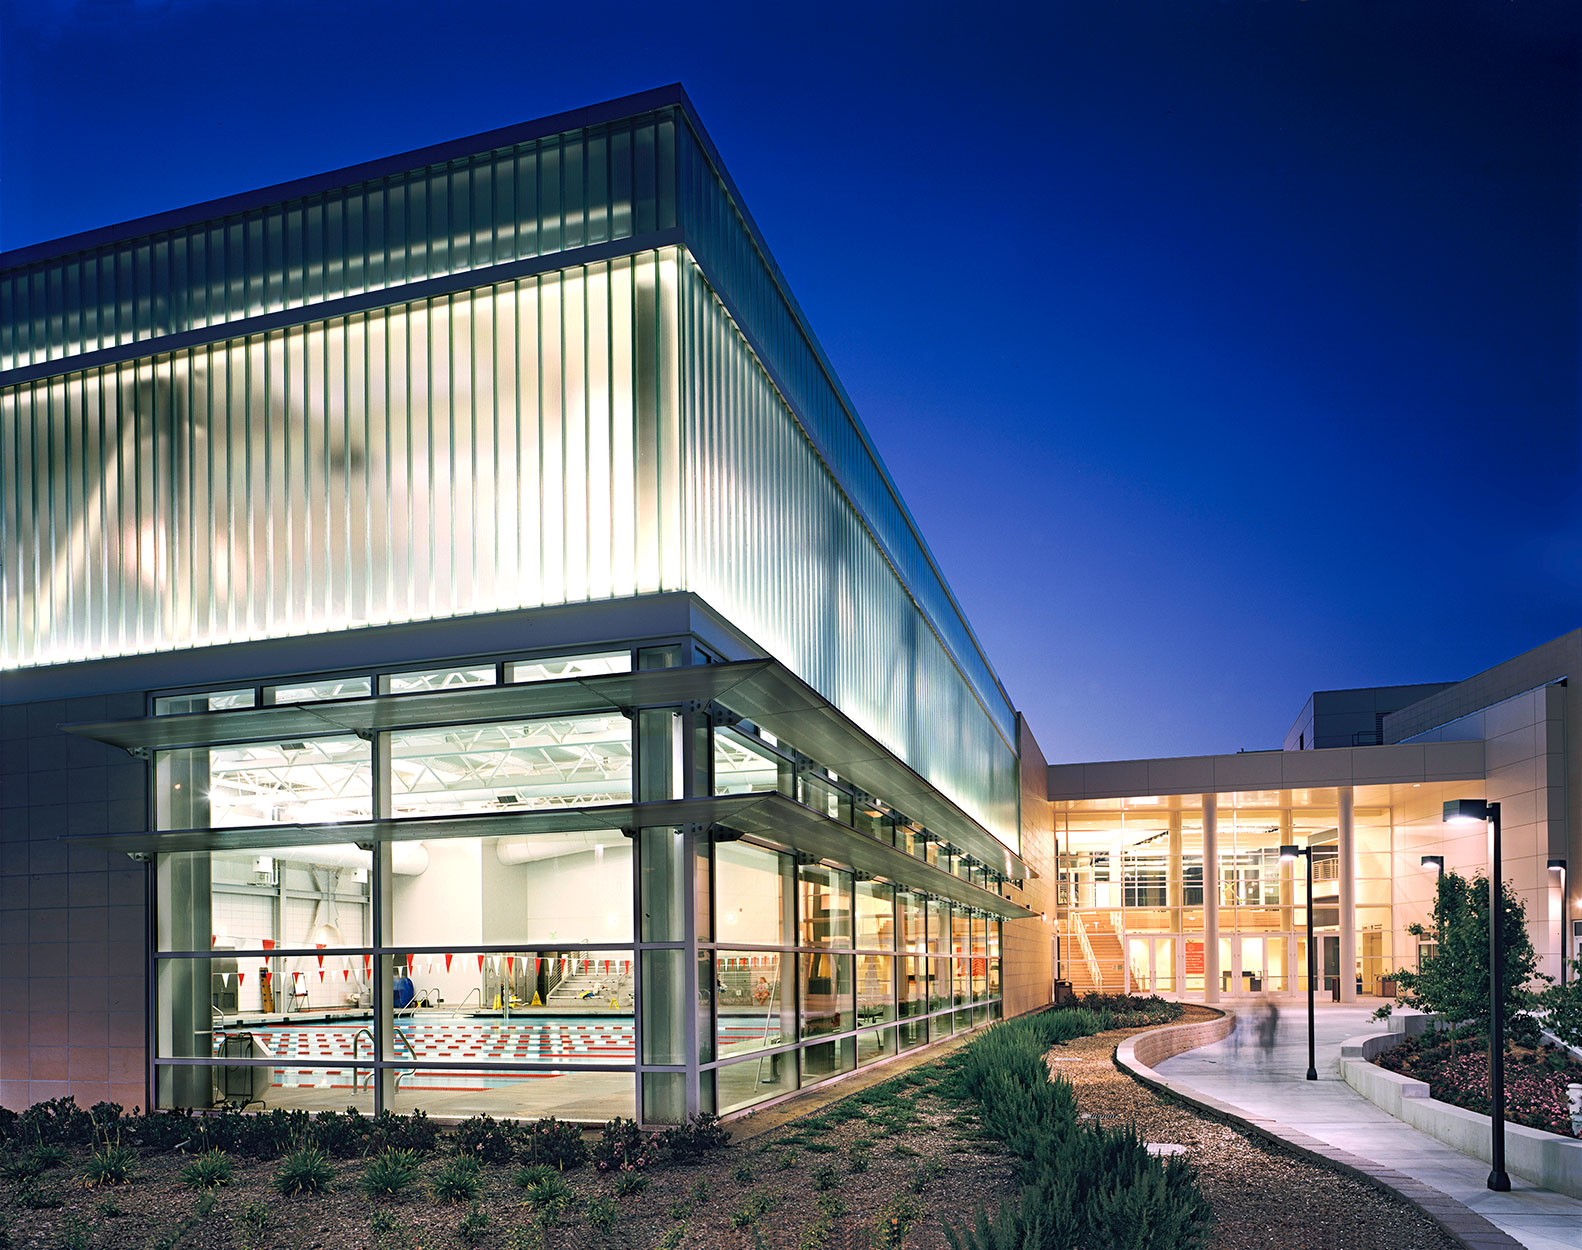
549, 195
716, 234
774, 543
506, 447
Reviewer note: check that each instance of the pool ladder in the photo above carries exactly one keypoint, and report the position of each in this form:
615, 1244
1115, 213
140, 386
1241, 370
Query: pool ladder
411, 1050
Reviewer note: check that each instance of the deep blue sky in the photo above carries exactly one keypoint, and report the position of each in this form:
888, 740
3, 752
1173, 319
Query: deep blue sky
1223, 351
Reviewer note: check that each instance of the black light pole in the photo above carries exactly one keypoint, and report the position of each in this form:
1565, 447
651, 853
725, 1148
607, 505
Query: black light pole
1559, 865
1461, 811
1288, 854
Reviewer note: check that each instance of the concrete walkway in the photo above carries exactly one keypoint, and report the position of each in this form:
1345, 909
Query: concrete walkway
1269, 1085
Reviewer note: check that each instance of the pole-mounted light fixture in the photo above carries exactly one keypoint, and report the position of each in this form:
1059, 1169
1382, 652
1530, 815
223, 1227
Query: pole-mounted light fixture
1288, 854
1559, 866
1436, 863
1471, 811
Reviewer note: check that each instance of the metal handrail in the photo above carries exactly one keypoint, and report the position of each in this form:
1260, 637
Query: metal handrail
1087, 953
411, 1050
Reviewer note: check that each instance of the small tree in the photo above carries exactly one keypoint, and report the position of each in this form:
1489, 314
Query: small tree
1454, 982
1564, 1005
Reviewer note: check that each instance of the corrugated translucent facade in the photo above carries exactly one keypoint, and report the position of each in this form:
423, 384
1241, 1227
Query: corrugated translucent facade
534, 198
500, 448
599, 431
775, 544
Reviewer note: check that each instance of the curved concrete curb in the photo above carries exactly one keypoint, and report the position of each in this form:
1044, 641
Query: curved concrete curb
1457, 1221
1546, 1159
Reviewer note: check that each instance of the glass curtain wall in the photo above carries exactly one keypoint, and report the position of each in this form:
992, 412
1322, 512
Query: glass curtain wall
1131, 874
586, 973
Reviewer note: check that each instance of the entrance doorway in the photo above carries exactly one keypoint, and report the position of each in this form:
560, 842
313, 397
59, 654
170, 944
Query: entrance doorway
1151, 962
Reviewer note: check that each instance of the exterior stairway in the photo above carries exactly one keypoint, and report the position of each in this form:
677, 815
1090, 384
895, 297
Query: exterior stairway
1106, 973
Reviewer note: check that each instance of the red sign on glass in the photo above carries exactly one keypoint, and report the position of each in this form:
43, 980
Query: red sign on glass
1194, 959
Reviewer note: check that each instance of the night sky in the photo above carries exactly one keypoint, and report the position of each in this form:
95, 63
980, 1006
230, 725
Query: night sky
1223, 352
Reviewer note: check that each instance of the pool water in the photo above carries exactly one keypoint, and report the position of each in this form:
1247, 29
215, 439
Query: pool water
323, 1054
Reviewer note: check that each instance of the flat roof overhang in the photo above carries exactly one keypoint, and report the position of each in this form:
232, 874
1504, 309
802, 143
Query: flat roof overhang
770, 818
762, 691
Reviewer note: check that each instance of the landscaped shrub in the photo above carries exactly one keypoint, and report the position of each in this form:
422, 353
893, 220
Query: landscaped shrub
551, 1193
342, 1136
1131, 1011
1082, 1185
211, 1168
388, 1173
552, 1142
457, 1180
1535, 1081
623, 1146
111, 1164
305, 1170
696, 1137
415, 1132
485, 1139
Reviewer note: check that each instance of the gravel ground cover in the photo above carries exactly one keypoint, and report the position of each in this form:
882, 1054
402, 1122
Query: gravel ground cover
893, 1158
1262, 1197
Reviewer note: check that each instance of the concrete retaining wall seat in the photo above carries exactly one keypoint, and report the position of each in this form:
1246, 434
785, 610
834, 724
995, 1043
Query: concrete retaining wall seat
1544, 1158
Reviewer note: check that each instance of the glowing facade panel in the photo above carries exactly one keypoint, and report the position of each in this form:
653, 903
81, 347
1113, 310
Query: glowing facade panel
506, 447
775, 543
535, 198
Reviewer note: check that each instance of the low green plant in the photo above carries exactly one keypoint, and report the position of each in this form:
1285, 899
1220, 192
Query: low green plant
891, 1226
672, 1237
552, 1194
629, 1183
254, 1216
207, 1201
857, 1159
388, 1232
786, 1161
111, 1164
697, 1136
702, 1191
1082, 1184
388, 1173
603, 1214
679, 1209
106, 1208
211, 1168
305, 1170
484, 1138
74, 1234
48, 1155
474, 1225
833, 1205
905, 1151
37, 1196
530, 1174
552, 1142
742, 1174
821, 1147
758, 1205
922, 1176
457, 1180
825, 1179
